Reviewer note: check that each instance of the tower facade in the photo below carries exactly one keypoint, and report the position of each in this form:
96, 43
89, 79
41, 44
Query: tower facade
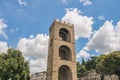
61, 53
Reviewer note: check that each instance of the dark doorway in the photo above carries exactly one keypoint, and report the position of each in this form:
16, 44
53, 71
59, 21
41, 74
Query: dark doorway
64, 73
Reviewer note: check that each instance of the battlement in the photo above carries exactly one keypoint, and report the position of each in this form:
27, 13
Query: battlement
63, 22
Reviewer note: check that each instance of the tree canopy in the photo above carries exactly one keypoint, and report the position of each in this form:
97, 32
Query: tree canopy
85, 66
106, 64
13, 66
109, 64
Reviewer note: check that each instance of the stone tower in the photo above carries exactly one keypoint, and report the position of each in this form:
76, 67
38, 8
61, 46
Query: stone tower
61, 53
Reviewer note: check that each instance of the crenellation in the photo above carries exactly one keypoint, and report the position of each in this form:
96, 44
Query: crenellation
63, 22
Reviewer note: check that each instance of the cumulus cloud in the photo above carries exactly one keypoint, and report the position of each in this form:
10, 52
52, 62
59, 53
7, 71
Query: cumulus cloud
101, 17
3, 25
38, 65
35, 49
3, 47
83, 54
82, 24
106, 39
22, 2
86, 2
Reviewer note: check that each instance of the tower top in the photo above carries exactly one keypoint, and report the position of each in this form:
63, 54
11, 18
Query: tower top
63, 22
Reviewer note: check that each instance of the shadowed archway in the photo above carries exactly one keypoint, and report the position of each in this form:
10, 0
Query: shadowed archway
64, 73
65, 53
64, 35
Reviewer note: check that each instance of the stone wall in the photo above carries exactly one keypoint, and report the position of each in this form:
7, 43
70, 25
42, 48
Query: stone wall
38, 76
94, 76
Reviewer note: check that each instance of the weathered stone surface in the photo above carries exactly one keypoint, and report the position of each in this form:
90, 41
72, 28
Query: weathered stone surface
59, 65
92, 75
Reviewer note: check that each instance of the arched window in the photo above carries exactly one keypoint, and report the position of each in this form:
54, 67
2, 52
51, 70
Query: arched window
65, 53
64, 73
64, 35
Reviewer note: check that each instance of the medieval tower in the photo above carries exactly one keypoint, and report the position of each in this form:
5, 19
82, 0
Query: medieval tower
61, 53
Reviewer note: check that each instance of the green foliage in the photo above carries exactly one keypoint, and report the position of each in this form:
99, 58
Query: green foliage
83, 61
91, 63
80, 69
13, 65
85, 66
108, 64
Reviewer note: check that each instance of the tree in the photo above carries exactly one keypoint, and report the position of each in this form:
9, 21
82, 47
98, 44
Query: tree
83, 61
80, 69
13, 65
100, 69
85, 66
108, 64
91, 63
113, 63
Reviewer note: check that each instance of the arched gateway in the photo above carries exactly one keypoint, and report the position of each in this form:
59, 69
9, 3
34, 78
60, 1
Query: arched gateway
61, 53
64, 73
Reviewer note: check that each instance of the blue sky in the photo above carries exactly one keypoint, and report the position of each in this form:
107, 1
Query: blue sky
24, 25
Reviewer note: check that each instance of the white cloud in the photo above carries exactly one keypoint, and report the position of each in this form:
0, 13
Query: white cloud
38, 65
106, 39
101, 17
82, 24
35, 49
3, 47
86, 2
3, 25
83, 54
22, 2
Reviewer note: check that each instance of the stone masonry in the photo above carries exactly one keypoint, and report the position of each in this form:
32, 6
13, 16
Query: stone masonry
61, 53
